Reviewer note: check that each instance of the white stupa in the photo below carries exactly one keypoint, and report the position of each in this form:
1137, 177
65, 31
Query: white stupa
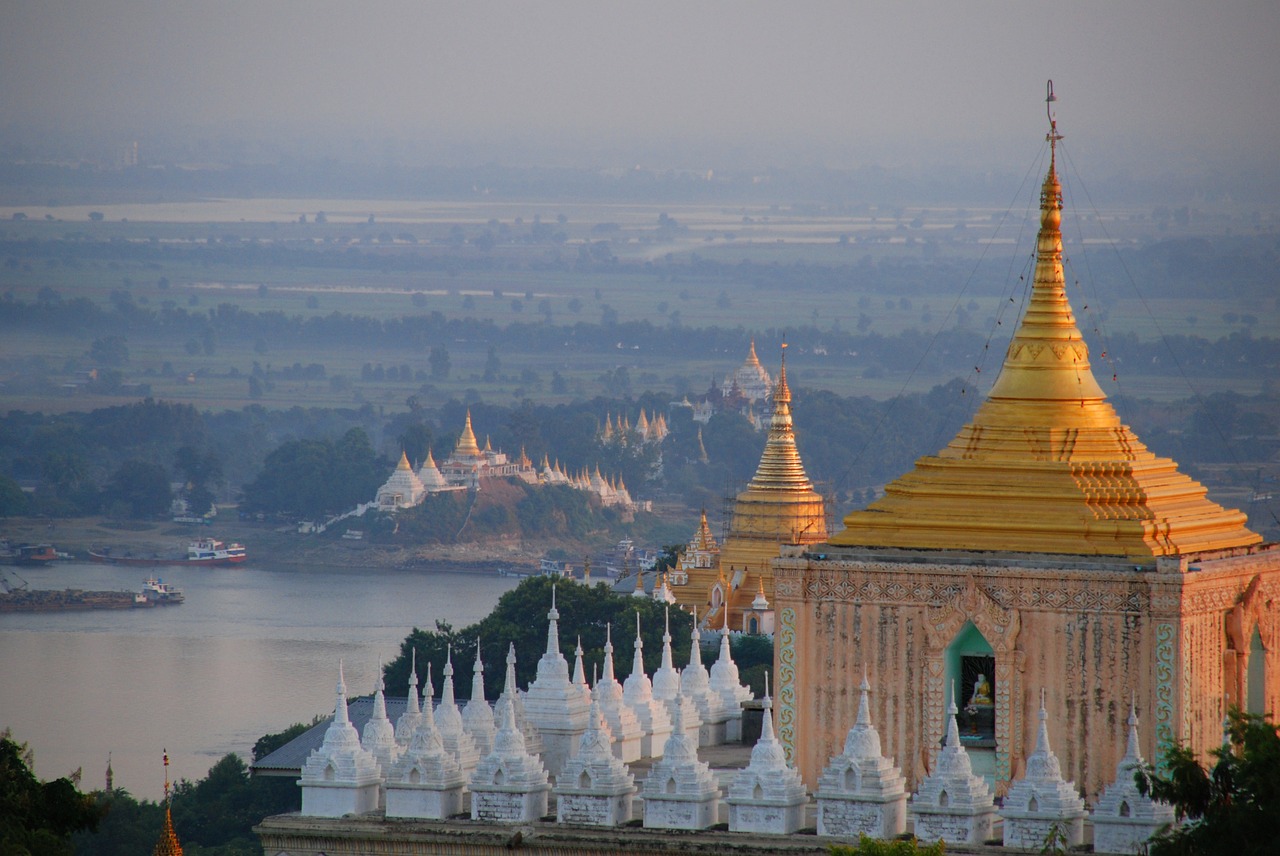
624, 728
512, 696
552, 703
666, 687
407, 724
429, 474
379, 735
477, 716
953, 804
1123, 818
453, 735
1042, 799
341, 777
637, 694
595, 787
426, 781
767, 796
510, 783
861, 792
580, 674
403, 489
728, 692
680, 792
696, 684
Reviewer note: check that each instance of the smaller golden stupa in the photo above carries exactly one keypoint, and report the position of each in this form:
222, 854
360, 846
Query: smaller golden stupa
168, 845
467, 445
779, 506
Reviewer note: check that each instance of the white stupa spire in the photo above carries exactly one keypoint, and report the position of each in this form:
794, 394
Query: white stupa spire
767, 796
426, 781
580, 673
637, 694
595, 787
624, 729
861, 791
509, 784
952, 803
726, 687
408, 721
680, 792
1124, 818
553, 626
449, 720
340, 777
1042, 800
694, 680
379, 735
477, 716
666, 686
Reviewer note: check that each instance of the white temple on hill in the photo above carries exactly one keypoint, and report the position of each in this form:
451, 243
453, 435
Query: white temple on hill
468, 464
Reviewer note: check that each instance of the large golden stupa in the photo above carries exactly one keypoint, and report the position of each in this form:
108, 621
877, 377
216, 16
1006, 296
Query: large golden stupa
1044, 550
1046, 466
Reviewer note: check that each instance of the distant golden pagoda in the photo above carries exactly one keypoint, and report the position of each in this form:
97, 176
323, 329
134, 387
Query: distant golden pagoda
467, 445
779, 506
168, 845
1046, 466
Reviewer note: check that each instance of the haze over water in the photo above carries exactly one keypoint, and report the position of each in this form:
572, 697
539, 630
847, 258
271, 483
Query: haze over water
252, 651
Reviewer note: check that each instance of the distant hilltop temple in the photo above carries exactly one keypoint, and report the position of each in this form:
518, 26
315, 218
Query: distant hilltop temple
1044, 550
468, 464
732, 584
747, 390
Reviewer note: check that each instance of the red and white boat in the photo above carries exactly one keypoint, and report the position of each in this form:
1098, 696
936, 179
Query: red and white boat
203, 551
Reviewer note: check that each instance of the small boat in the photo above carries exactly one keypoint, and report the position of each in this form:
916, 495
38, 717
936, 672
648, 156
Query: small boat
203, 551
161, 593
30, 555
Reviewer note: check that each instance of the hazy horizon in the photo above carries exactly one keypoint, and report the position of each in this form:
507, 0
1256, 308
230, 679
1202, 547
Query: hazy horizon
1147, 87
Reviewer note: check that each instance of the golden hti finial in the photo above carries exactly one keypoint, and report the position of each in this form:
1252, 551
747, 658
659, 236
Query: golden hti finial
168, 845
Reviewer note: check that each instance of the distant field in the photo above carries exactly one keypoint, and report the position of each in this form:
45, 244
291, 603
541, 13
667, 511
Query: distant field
656, 277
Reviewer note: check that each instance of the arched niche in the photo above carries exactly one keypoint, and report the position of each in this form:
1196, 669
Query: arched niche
1256, 674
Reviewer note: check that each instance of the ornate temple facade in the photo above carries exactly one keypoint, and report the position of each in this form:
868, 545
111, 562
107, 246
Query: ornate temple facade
1045, 548
779, 507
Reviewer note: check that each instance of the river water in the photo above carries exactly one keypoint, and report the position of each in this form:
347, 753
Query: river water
251, 651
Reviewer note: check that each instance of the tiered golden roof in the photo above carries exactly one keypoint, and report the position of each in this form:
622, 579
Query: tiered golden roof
1046, 466
467, 445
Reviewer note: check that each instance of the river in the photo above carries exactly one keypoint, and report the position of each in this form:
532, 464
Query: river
251, 651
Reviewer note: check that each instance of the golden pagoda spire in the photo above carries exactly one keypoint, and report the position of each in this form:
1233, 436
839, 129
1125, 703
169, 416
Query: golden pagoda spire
404, 461
752, 359
467, 445
1046, 465
780, 467
168, 845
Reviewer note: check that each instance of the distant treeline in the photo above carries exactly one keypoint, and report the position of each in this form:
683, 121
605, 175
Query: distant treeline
333, 178
307, 463
1238, 355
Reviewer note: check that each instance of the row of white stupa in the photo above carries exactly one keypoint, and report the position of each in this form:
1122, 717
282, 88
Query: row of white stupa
421, 767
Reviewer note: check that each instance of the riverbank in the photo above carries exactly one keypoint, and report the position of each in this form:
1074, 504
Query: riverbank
269, 544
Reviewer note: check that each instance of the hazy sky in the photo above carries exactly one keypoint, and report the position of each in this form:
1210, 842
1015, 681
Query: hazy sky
844, 82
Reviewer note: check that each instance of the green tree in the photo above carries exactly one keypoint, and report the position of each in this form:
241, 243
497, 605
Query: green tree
439, 361
13, 502
141, 487
38, 818
110, 351
1231, 808
492, 365
520, 618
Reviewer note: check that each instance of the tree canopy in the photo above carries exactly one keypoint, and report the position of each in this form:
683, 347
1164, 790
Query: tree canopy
38, 818
1231, 807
